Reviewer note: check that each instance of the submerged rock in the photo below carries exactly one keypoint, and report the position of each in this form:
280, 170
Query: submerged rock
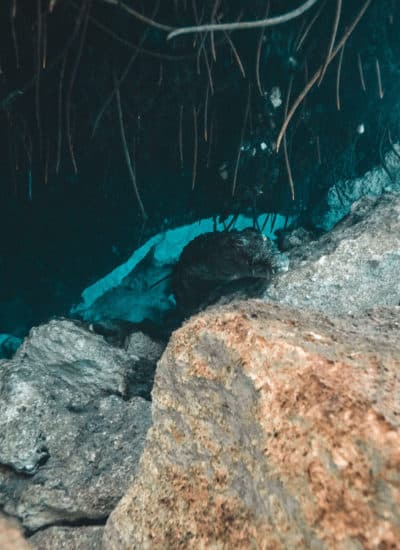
72, 425
220, 263
352, 268
290, 238
67, 538
8, 345
272, 428
340, 198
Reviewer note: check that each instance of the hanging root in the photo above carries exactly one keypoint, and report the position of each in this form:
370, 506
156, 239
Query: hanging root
246, 116
206, 114
235, 54
285, 150
118, 83
265, 222
123, 76
258, 55
195, 147
273, 221
209, 74
13, 14
332, 40
378, 77
339, 72
361, 72
213, 16
210, 142
267, 22
85, 14
44, 52
310, 26
59, 134
317, 74
127, 155
38, 72
180, 137
318, 150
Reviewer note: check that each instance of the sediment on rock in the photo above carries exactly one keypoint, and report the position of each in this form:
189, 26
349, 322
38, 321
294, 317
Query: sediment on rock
272, 428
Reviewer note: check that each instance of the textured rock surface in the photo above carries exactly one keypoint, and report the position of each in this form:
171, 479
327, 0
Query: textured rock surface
11, 537
338, 201
147, 352
71, 426
8, 345
354, 267
67, 538
272, 428
214, 264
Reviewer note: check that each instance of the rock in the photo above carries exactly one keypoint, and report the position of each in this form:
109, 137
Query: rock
220, 263
272, 428
67, 538
352, 268
11, 537
72, 426
147, 351
292, 238
138, 290
8, 345
338, 201
117, 331
144, 347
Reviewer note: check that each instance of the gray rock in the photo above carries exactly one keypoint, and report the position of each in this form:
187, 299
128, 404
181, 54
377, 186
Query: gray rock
72, 427
144, 347
68, 538
292, 238
350, 269
340, 198
148, 352
8, 345
223, 263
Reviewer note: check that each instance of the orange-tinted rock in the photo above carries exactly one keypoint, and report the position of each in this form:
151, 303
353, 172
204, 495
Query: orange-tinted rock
11, 537
273, 428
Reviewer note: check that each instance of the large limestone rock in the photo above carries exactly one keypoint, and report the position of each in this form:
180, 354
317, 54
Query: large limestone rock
72, 425
272, 428
352, 268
